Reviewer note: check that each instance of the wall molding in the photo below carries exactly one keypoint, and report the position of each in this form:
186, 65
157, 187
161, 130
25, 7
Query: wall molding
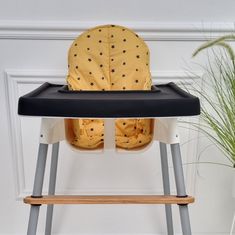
150, 31
59, 76
16, 77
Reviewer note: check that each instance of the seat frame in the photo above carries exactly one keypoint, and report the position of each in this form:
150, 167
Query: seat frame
165, 132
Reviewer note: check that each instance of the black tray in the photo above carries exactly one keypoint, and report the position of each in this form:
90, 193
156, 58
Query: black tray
166, 100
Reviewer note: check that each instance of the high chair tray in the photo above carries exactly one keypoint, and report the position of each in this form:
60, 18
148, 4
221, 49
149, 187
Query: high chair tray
53, 100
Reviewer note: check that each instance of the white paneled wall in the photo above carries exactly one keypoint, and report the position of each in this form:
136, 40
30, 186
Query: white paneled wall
34, 40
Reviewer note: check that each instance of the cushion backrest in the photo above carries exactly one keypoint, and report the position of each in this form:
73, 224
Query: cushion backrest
109, 57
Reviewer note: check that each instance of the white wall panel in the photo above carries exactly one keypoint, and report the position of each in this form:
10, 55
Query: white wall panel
132, 10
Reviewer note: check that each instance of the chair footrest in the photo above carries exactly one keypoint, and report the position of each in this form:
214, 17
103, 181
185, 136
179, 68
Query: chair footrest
109, 199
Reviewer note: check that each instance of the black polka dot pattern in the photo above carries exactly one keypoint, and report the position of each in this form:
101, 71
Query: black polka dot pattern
109, 58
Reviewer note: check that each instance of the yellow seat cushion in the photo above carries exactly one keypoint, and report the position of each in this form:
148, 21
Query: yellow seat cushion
109, 57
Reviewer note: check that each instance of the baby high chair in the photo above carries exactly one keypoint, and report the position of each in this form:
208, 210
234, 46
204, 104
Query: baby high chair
108, 78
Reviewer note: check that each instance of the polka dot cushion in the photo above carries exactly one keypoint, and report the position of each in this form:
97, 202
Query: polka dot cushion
109, 57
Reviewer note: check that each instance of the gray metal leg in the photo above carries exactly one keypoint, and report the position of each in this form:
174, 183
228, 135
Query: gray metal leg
37, 188
180, 187
52, 183
166, 187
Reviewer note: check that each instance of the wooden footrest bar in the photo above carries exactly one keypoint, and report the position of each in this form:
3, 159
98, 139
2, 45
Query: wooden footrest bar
109, 199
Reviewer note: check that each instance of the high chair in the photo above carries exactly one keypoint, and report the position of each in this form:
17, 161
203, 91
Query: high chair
110, 105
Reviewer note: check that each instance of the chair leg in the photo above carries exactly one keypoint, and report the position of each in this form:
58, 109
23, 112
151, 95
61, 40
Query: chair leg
180, 188
52, 183
37, 188
166, 187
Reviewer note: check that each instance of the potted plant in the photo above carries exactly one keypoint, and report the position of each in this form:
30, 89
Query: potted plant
218, 108
218, 96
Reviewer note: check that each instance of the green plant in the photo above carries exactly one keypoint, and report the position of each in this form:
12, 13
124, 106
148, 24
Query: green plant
218, 109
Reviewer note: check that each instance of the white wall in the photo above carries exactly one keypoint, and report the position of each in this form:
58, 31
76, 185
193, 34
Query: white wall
34, 39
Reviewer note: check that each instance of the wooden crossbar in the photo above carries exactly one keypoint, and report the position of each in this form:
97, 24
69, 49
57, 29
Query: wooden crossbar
109, 199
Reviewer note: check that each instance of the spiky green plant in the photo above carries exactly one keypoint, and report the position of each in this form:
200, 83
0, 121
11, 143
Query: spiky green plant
218, 110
